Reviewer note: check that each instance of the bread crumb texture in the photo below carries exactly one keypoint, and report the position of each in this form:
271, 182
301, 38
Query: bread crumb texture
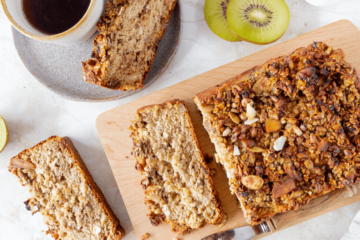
63, 191
130, 33
176, 179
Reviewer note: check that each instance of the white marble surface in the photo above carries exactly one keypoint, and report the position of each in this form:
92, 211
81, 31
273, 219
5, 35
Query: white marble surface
33, 113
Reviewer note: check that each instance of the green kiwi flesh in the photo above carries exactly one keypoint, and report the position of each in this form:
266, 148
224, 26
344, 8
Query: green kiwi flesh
258, 21
215, 16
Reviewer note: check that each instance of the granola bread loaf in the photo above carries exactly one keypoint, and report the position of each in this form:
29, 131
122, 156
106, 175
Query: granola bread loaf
130, 33
286, 131
177, 183
64, 192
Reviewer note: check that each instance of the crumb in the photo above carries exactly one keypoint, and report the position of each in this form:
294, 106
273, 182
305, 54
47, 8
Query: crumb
223, 221
145, 236
212, 171
126, 157
208, 158
175, 238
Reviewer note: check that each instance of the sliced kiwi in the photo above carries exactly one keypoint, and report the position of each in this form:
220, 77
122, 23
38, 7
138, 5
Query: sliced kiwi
258, 21
215, 16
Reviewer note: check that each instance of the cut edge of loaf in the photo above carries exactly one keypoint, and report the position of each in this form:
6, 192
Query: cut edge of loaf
89, 75
221, 219
202, 97
67, 145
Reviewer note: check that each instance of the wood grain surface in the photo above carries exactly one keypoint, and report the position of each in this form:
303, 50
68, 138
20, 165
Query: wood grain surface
113, 130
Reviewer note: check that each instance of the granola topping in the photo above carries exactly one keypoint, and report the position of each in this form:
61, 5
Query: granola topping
293, 123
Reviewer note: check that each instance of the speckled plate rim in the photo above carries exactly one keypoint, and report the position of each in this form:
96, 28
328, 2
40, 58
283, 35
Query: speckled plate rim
124, 94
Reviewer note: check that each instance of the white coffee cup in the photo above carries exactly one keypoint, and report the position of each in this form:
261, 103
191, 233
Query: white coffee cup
80, 32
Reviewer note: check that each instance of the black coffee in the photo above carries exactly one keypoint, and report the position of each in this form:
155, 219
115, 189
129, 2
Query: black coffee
54, 16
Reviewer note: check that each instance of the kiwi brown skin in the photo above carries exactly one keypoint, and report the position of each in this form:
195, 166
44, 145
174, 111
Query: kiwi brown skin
262, 43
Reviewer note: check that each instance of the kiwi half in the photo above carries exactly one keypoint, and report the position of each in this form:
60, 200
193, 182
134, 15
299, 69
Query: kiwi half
258, 21
215, 16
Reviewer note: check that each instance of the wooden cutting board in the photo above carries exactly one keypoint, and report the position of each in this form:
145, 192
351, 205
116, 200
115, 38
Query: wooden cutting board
114, 134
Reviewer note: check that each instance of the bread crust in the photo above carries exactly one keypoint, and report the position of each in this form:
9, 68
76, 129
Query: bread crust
67, 146
89, 75
203, 97
204, 167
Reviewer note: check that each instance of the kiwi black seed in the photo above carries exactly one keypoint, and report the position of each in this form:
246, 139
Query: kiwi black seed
215, 16
258, 21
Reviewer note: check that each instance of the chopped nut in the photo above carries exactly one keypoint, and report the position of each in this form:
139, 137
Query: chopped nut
316, 170
253, 182
20, 163
292, 173
307, 72
249, 122
256, 149
250, 112
227, 132
272, 125
133, 77
248, 143
297, 130
245, 128
234, 117
96, 229
208, 108
279, 143
286, 185
230, 173
254, 132
323, 145
236, 151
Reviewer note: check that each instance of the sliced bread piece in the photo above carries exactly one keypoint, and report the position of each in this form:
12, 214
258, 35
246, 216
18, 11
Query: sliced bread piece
130, 33
176, 179
64, 192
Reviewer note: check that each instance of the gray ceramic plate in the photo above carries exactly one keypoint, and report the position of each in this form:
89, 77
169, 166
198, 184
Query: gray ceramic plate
58, 67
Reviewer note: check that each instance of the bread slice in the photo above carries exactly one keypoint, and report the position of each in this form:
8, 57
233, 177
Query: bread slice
176, 179
64, 192
286, 131
130, 33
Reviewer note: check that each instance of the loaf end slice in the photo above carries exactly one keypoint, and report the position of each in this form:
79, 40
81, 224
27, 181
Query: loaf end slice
177, 183
64, 192
130, 33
